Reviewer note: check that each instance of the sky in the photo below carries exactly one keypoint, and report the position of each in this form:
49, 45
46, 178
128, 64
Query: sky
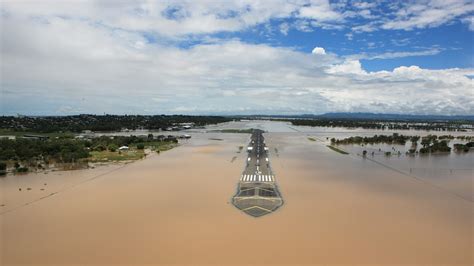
236, 57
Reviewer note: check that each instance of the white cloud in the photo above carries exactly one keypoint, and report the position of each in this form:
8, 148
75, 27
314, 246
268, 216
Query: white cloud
399, 54
470, 22
364, 5
320, 10
319, 51
425, 14
181, 18
170, 19
348, 67
81, 56
284, 28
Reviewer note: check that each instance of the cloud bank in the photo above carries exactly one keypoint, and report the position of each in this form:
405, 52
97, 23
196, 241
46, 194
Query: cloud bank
86, 58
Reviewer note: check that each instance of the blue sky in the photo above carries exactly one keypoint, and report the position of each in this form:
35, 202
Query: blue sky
236, 57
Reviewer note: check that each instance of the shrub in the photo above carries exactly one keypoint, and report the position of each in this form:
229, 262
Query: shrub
113, 147
22, 169
99, 148
140, 146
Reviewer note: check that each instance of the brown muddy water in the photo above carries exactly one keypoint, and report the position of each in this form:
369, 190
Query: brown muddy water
174, 208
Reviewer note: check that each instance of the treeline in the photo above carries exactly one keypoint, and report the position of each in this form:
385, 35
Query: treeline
78, 123
429, 143
390, 139
463, 147
382, 125
67, 150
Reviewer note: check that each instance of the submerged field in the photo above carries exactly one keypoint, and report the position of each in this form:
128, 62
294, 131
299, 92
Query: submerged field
174, 207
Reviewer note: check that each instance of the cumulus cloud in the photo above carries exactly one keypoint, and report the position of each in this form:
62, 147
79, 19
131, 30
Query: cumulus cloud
319, 51
348, 67
62, 58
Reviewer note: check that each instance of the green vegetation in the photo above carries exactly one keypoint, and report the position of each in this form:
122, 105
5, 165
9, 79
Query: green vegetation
16, 133
431, 144
463, 147
390, 139
159, 146
337, 149
3, 168
466, 138
105, 156
382, 124
245, 131
78, 123
27, 154
311, 139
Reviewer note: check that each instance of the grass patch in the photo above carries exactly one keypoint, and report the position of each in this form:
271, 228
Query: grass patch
337, 149
106, 156
311, 139
159, 146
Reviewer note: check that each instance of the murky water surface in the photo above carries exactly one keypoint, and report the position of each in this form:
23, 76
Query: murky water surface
174, 208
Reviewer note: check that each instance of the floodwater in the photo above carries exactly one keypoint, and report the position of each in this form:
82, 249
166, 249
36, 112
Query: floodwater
174, 208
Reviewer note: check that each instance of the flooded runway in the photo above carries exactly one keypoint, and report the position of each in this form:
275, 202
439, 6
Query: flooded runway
257, 192
176, 208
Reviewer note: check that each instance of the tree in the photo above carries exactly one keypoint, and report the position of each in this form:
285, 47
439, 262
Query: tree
3, 168
113, 147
